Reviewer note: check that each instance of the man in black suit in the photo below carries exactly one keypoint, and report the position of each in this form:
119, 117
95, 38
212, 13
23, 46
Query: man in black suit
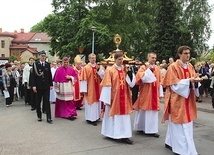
42, 83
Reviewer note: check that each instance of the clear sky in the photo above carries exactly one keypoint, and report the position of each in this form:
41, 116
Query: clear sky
17, 14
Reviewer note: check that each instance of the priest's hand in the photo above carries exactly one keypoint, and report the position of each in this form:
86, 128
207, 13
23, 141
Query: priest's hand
147, 65
34, 89
195, 79
67, 77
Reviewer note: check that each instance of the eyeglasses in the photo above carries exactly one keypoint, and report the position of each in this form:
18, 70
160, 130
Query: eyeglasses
186, 53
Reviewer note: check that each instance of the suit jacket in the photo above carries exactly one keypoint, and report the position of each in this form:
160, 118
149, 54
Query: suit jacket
41, 81
7, 81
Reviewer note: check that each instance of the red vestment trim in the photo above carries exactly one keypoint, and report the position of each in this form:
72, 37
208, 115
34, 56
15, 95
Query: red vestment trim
186, 75
96, 83
77, 88
154, 94
122, 92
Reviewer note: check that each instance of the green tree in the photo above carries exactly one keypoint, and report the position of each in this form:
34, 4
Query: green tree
145, 26
39, 27
166, 33
196, 16
12, 58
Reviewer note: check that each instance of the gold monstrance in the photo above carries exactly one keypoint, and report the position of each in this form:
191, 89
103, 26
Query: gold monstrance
110, 59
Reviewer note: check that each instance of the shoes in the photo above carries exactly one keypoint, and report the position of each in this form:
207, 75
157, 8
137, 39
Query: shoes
7, 105
127, 141
39, 119
72, 118
199, 100
154, 135
44, 112
78, 109
168, 147
49, 121
32, 109
92, 123
141, 131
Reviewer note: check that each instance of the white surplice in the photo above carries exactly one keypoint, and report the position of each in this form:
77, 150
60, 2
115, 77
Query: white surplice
92, 112
117, 126
147, 120
52, 91
180, 136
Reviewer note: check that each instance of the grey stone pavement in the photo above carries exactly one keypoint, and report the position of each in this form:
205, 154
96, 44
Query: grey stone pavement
22, 134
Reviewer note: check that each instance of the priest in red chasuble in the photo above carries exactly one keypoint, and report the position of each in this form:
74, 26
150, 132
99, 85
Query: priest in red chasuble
116, 96
181, 83
90, 85
147, 105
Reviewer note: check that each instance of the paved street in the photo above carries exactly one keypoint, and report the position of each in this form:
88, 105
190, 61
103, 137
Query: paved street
22, 134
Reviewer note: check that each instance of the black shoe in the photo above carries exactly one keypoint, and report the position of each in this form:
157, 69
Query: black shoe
141, 131
39, 119
94, 123
127, 141
72, 118
89, 122
168, 147
154, 135
78, 109
49, 121
32, 109
44, 112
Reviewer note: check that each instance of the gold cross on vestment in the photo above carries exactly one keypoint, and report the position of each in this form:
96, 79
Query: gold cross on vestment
122, 83
95, 77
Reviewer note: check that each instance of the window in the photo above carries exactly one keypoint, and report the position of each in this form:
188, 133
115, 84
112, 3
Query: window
2, 55
2, 43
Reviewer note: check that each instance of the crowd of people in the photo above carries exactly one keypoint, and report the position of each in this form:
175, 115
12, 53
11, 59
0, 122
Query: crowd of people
112, 93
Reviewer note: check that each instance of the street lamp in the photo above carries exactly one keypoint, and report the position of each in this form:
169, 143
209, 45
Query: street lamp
93, 28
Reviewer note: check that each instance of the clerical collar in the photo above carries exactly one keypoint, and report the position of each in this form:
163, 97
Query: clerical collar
184, 65
93, 65
118, 67
151, 65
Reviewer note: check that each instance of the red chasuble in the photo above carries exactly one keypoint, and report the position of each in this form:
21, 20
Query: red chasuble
77, 95
154, 94
186, 76
96, 83
122, 92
